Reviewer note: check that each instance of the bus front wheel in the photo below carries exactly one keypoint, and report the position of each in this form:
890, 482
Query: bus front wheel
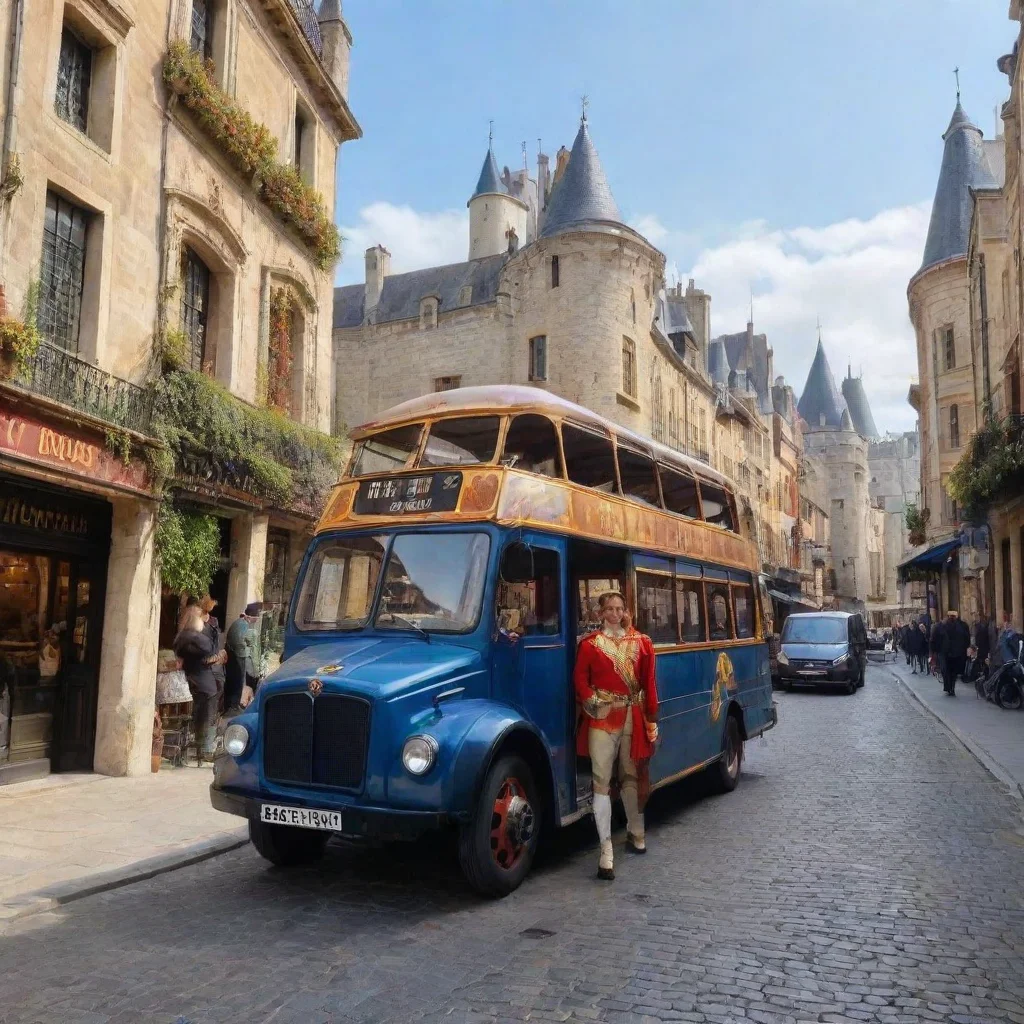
727, 767
285, 846
497, 847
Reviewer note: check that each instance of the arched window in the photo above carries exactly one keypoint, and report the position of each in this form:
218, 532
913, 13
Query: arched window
195, 305
629, 367
954, 426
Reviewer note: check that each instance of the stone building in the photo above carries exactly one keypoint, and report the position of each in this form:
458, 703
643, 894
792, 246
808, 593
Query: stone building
558, 292
829, 436
125, 216
942, 316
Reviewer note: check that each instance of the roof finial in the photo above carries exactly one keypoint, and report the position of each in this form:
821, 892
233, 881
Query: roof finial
584, 103
751, 305
526, 163
819, 330
956, 72
490, 134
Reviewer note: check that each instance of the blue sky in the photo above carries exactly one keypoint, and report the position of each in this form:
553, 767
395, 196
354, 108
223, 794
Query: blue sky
790, 147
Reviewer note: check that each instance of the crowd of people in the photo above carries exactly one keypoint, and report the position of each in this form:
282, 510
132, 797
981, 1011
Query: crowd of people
953, 650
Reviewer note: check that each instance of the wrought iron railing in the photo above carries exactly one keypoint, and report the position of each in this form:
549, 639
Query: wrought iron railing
65, 378
306, 13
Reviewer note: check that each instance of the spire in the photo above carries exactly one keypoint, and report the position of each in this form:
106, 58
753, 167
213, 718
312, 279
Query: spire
964, 166
330, 10
857, 403
821, 405
582, 195
489, 181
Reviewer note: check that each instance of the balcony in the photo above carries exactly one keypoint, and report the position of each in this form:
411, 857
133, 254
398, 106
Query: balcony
304, 11
62, 377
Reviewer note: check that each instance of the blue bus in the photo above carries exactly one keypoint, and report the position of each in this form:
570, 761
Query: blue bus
427, 673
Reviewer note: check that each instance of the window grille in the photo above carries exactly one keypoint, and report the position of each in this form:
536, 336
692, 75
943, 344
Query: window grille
195, 305
447, 383
628, 367
950, 349
539, 358
554, 272
62, 271
74, 74
202, 28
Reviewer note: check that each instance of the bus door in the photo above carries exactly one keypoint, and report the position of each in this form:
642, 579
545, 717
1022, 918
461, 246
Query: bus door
532, 648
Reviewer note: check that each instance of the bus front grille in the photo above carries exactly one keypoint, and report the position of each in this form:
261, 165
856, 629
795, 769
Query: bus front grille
319, 741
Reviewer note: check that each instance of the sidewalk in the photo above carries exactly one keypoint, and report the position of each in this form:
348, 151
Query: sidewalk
68, 836
994, 736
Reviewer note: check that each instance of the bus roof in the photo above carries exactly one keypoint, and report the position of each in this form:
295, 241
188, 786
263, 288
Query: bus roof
500, 399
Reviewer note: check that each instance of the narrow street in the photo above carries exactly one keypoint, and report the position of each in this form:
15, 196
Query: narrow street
867, 869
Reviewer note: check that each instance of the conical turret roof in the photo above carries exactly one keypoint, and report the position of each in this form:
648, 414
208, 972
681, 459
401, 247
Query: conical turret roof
964, 166
582, 195
860, 410
821, 405
489, 181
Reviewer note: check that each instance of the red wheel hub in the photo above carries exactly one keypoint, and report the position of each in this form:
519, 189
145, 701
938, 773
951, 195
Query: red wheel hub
512, 824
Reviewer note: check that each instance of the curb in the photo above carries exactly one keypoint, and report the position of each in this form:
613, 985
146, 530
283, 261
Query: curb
982, 756
42, 900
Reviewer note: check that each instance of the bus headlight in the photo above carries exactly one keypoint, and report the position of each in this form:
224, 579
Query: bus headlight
841, 660
236, 739
419, 754
782, 659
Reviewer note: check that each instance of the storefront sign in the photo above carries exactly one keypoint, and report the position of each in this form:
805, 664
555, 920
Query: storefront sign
43, 517
54, 447
398, 496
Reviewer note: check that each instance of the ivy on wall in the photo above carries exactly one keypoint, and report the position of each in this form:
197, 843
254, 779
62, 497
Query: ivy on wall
252, 149
280, 357
991, 469
188, 546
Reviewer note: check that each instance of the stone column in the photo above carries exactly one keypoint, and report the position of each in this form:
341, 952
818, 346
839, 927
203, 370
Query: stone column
248, 563
1015, 575
996, 562
127, 683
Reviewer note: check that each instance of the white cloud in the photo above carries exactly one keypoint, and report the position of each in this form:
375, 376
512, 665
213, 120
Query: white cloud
852, 274
414, 239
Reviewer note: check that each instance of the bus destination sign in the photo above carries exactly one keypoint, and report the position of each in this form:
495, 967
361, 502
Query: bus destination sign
398, 496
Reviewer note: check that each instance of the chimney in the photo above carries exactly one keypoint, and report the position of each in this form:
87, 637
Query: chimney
378, 266
543, 180
771, 365
337, 44
561, 162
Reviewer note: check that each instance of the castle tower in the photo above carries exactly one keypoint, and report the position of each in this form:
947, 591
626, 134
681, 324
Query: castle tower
857, 403
498, 221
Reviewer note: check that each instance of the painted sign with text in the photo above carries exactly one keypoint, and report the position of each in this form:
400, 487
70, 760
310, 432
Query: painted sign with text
55, 447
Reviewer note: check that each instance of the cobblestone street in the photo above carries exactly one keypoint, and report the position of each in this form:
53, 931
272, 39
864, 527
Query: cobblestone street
867, 869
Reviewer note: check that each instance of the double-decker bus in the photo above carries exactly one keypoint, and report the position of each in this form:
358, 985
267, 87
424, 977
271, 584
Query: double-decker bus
427, 680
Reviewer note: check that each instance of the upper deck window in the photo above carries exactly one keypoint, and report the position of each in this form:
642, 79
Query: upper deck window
531, 444
387, 451
589, 458
680, 491
717, 505
638, 476
461, 442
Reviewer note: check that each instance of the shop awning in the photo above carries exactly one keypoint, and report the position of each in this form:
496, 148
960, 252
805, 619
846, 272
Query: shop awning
796, 602
930, 560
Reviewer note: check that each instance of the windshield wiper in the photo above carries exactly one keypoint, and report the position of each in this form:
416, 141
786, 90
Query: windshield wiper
412, 625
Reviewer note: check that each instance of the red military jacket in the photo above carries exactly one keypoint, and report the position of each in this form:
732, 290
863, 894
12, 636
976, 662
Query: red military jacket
622, 665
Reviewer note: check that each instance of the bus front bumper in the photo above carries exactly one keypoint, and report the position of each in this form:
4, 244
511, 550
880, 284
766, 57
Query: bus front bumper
381, 823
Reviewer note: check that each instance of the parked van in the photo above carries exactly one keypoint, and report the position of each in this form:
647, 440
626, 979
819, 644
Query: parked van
823, 649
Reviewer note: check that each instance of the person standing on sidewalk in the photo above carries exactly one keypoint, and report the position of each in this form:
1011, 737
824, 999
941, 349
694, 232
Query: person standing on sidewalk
211, 627
196, 650
241, 649
921, 648
954, 639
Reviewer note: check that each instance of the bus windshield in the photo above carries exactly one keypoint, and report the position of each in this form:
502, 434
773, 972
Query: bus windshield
432, 581
814, 629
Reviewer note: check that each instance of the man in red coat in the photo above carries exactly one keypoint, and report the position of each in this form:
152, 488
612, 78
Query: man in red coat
614, 680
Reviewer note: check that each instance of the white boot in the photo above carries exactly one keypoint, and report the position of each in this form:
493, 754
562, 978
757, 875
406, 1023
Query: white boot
603, 820
634, 821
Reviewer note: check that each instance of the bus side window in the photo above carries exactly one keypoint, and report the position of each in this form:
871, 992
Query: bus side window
532, 445
690, 611
719, 611
717, 506
680, 492
528, 591
639, 479
655, 609
589, 458
743, 601
590, 589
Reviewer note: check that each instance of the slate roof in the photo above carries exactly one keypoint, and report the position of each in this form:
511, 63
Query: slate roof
860, 410
718, 362
582, 196
489, 181
401, 295
964, 166
821, 397
672, 315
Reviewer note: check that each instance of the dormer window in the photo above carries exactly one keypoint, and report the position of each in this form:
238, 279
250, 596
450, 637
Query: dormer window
428, 312
466, 295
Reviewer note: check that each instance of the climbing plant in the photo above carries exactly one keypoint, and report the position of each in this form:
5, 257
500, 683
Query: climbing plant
188, 548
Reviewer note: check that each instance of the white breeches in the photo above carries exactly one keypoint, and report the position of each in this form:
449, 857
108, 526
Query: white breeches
605, 749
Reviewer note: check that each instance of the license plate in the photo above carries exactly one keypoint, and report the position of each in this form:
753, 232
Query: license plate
812, 672
301, 817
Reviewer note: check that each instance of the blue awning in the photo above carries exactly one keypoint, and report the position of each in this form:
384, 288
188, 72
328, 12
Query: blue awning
931, 559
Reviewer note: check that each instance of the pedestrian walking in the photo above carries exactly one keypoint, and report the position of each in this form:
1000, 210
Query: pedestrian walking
954, 638
196, 650
922, 648
211, 627
614, 682
240, 645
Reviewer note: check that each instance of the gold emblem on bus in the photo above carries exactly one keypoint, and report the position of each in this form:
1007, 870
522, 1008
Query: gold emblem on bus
315, 687
725, 680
